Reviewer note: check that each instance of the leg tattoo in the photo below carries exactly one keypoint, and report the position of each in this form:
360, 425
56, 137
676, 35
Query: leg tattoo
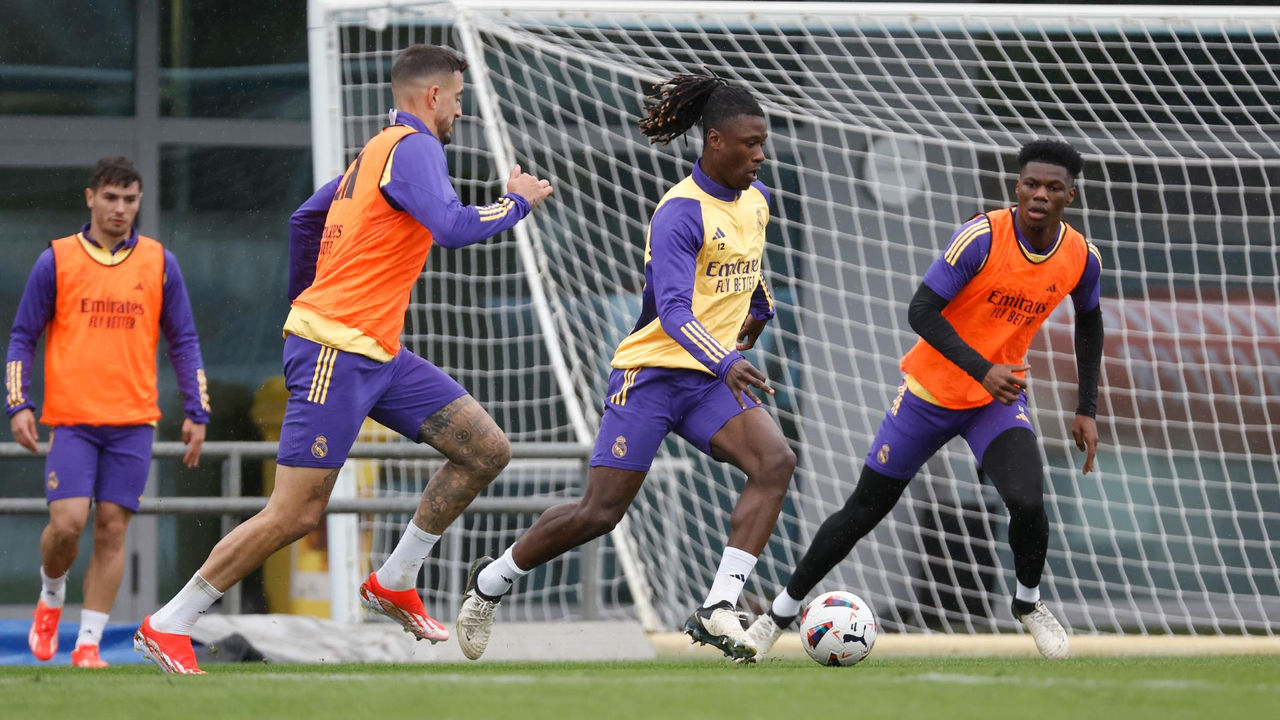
477, 450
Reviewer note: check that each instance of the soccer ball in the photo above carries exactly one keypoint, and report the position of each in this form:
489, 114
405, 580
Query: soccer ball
838, 629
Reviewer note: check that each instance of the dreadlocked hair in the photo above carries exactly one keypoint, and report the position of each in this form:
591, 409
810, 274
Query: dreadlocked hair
674, 106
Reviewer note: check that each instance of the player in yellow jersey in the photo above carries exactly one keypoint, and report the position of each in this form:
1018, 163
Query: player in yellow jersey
976, 311
681, 369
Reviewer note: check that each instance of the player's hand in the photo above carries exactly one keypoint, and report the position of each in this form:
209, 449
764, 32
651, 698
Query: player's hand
23, 426
751, 329
528, 187
1085, 431
193, 435
1003, 384
743, 376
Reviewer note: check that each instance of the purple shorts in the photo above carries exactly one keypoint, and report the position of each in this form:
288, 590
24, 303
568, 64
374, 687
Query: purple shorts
332, 391
108, 463
644, 404
914, 429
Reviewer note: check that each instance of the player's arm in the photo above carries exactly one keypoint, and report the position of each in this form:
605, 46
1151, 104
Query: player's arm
417, 182
675, 238
1089, 337
759, 314
761, 310
926, 319
949, 273
179, 328
306, 226
35, 311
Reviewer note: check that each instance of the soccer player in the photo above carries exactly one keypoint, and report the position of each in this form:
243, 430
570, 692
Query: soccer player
104, 294
976, 311
680, 369
356, 249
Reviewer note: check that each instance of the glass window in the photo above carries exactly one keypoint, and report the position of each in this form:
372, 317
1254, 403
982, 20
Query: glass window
234, 58
67, 57
224, 212
36, 205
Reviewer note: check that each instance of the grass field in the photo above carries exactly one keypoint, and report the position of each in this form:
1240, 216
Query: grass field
788, 689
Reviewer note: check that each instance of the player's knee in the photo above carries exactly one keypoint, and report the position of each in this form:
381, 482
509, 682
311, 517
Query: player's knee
487, 460
595, 522
109, 533
776, 469
65, 527
784, 462
499, 454
306, 522
295, 525
1026, 509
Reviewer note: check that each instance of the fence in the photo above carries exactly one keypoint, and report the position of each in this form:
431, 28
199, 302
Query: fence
232, 505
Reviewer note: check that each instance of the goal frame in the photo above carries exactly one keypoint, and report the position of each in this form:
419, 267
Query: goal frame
327, 122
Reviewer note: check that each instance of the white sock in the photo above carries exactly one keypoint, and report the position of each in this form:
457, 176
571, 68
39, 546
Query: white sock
400, 571
735, 566
785, 606
1027, 594
53, 591
496, 579
179, 615
91, 624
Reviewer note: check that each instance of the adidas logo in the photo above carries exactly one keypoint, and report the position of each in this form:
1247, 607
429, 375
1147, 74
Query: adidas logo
738, 576
719, 235
138, 286
1052, 288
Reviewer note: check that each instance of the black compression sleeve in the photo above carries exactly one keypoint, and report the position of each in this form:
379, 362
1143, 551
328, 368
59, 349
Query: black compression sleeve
1088, 359
925, 317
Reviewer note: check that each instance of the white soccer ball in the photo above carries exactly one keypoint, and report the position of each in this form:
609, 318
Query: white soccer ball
838, 629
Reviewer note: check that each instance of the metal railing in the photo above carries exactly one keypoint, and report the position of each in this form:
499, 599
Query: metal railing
231, 505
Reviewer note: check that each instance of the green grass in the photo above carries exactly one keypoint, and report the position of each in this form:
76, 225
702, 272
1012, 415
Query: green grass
899, 688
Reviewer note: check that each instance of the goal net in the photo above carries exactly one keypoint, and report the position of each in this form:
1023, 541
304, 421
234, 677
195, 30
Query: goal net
887, 130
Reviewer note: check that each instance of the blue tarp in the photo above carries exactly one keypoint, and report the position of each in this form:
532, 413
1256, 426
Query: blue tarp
116, 647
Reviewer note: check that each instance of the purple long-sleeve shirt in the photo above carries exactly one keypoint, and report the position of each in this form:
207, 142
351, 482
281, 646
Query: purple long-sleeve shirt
40, 298
419, 184
677, 235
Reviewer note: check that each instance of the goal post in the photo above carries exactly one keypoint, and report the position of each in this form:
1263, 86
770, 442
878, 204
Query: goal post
887, 130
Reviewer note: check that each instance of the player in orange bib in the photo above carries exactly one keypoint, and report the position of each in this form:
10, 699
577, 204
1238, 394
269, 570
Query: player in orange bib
357, 247
104, 295
976, 311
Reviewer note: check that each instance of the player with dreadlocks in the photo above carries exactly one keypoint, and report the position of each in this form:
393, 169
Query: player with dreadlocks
681, 369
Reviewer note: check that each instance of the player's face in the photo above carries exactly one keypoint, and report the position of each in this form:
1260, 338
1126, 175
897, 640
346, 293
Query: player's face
112, 208
735, 151
448, 106
1044, 191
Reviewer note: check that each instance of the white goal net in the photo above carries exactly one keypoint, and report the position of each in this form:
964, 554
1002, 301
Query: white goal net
888, 129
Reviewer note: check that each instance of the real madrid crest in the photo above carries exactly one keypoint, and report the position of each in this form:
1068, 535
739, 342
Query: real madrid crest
620, 447
53, 480
320, 447
883, 455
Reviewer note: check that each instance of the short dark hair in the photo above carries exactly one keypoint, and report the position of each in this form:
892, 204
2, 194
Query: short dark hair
674, 106
1054, 152
419, 61
114, 170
